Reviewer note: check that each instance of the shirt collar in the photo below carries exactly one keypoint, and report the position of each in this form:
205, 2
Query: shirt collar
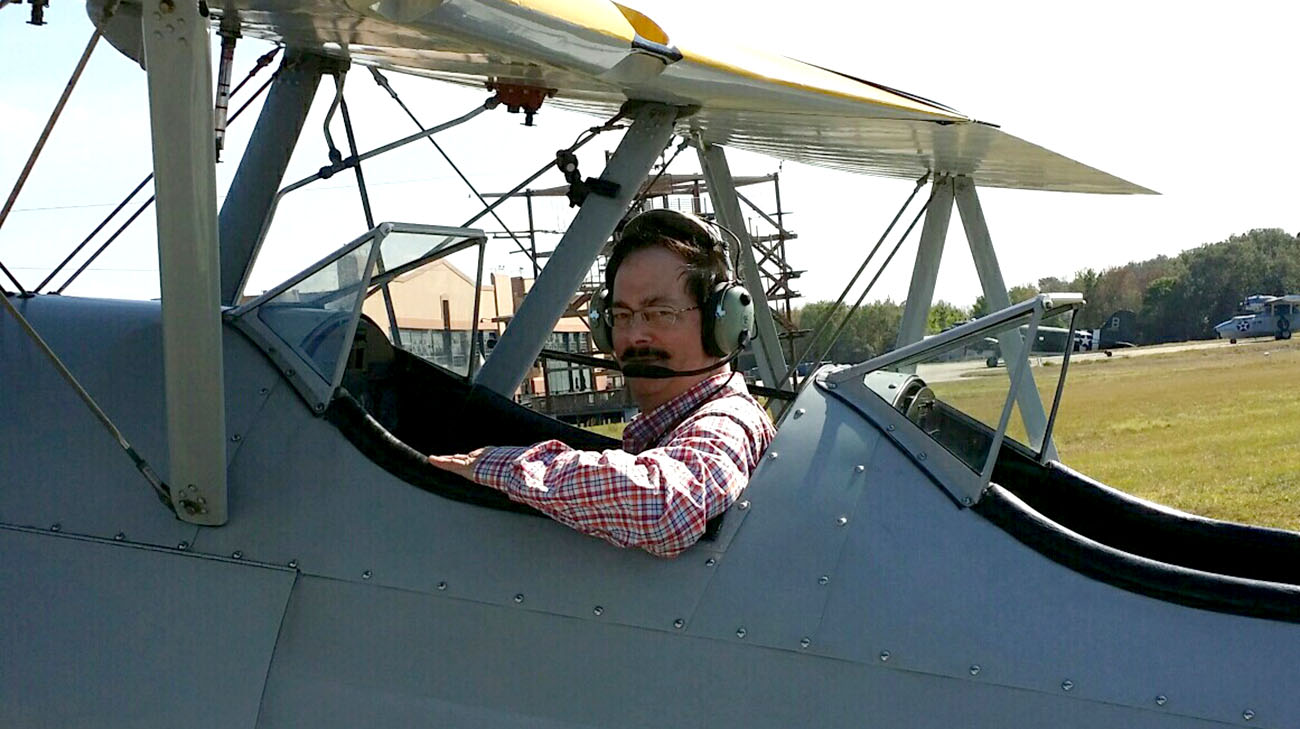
647, 428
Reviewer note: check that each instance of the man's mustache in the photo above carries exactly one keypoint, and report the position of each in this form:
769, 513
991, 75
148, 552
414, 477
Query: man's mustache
643, 354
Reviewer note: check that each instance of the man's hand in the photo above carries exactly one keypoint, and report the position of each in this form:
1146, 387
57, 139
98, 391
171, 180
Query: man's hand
461, 464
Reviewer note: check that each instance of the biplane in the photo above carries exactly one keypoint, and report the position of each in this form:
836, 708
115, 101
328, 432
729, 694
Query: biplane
215, 509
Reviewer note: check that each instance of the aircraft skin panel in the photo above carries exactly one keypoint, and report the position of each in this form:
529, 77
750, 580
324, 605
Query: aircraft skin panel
952, 591
797, 500
412, 609
357, 655
60, 466
105, 634
747, 99
299, 491
87, 484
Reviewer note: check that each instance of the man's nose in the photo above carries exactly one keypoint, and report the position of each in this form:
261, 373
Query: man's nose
638, 330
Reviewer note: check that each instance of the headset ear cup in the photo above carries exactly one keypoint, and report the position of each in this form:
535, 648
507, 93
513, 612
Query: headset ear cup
729, 322
601, 336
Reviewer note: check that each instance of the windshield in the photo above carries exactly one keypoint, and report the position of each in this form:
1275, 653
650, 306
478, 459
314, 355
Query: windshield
307, 324
968, 389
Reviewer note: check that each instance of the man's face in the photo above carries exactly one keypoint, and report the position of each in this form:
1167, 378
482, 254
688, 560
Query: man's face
656, 277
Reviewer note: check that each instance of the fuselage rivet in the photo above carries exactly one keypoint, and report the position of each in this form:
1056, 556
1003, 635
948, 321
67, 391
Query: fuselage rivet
236, 437
1067, 685
890, 428
884, 655
743, 505
365, 575
442, 585
183, 545
519, 598
859, 468
119, 536
798, 413
679, 623
1248, 715
598, 611
740, 632
921, 456
773, 455
1161, 700
710, 562
804, 642
56, 527
293, 564
236, 554
842, 520
824, 580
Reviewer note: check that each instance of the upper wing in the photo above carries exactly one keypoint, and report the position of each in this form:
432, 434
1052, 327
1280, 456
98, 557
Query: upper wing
596, 54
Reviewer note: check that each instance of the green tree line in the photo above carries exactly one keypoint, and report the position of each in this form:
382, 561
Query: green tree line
1175, 298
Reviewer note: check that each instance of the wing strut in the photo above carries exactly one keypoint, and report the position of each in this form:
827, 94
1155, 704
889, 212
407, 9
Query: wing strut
184, 159
722, 188
591, 227
961, 189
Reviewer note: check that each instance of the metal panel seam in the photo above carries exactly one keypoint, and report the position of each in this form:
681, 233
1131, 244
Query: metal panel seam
266, 677
840, 556
188, 551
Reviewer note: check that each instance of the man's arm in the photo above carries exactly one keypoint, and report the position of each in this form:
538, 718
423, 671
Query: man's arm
659, 500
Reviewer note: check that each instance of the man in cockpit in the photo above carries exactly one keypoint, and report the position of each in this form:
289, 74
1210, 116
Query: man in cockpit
674, 322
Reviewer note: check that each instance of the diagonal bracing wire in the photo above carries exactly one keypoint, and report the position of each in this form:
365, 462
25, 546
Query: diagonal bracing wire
49, 127
54, 116
871, 284
17, 285
578, 143
95, 232
104, 246
645, 190
261, 63
920, 182
159, 487
382, 81
393, 332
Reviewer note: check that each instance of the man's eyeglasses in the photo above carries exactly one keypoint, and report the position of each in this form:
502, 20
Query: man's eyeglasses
655, 317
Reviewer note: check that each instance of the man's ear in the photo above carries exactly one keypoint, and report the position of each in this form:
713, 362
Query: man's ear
601, 336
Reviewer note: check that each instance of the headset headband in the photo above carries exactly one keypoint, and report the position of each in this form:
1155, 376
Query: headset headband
665, 223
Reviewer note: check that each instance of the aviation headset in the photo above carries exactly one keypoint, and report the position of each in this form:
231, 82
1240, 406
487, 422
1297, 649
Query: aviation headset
726, 317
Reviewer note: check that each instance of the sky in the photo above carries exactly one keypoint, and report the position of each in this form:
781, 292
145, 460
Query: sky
1193, 100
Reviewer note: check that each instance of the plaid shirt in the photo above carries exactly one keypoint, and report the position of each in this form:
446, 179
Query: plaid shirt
681, 464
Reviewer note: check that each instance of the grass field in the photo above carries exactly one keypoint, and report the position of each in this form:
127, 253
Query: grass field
1212, 431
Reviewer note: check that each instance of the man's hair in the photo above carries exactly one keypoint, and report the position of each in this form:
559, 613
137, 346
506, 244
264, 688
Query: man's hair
705, 257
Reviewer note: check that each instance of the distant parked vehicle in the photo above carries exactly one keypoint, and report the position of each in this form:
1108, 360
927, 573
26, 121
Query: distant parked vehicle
1264, 316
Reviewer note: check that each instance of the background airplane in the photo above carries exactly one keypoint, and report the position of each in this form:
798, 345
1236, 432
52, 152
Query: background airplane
1267, 316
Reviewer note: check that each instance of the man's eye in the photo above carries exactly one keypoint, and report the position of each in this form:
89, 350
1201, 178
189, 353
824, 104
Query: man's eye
621, 317
658, 316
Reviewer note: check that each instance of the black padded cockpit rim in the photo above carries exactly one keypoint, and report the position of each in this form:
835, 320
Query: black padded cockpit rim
1148, 529
391, 454
1162, 581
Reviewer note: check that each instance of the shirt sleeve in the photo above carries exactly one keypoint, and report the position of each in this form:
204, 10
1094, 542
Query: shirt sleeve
659, 500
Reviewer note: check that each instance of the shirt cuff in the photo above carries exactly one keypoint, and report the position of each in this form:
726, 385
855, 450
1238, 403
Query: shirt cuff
495, 468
